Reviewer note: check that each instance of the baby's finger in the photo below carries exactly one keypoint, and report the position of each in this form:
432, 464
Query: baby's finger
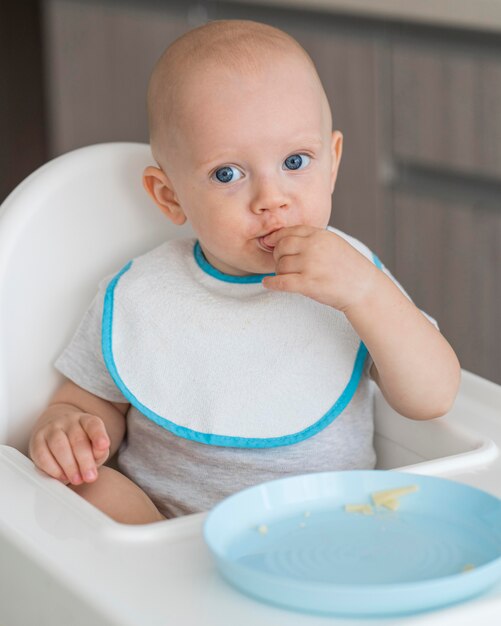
45, 461
289, 264
96, 431
289, 246
299, 230
284, 282
60, 447
83, 453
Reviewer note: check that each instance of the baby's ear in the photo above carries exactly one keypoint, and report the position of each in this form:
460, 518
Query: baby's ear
336, 153
159, 188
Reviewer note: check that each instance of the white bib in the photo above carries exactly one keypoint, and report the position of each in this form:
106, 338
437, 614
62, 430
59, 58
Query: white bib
220, 359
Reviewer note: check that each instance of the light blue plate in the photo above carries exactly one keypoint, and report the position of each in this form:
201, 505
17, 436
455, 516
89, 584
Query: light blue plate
291, 542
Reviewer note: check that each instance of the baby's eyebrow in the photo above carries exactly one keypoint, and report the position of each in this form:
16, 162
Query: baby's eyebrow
307, 140
297, 143
222, 158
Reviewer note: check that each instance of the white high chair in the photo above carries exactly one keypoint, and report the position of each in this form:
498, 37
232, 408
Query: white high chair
76, 219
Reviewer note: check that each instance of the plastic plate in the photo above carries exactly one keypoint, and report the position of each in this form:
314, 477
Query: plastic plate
291, 542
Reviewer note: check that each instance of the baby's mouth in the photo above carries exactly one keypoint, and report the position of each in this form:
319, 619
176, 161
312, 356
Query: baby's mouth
264, 246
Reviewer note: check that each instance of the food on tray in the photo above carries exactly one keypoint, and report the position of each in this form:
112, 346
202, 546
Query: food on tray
468, 567
365, 509
388, 498
391, 504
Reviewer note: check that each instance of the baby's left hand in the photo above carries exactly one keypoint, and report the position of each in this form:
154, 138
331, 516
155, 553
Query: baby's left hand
321, 265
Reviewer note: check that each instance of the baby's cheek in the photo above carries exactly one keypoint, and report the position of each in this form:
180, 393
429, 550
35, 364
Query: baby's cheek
318, 220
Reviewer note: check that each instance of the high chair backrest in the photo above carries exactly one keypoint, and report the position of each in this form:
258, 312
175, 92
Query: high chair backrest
69, 224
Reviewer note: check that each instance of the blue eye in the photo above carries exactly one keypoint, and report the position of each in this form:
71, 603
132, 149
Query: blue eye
227, 174
296, 161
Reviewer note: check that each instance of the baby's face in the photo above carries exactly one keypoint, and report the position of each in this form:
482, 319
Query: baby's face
253, 155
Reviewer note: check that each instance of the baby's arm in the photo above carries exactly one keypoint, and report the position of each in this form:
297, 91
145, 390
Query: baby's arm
76, 434
414, 366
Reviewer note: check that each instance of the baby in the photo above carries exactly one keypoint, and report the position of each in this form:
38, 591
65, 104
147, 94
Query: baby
246, 354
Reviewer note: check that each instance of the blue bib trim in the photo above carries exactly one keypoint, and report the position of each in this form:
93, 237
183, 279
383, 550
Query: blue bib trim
221, 440
205, 266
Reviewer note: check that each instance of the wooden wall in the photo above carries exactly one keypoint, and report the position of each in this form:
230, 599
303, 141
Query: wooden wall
23, 139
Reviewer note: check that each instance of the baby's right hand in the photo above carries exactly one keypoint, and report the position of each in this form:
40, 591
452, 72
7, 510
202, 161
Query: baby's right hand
70, 446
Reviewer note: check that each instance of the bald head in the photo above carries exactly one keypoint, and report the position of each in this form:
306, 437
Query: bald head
218, 51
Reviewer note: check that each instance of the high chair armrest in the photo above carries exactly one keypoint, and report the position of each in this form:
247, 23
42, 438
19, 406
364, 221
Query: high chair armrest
21, 482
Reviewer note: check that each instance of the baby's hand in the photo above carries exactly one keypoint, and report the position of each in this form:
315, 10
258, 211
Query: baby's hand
70, 446
321, 265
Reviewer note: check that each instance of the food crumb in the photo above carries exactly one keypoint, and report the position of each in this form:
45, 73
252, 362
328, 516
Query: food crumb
365, 509
468, 567
391, 504
302, 525
262, 529
307, 513
389, 497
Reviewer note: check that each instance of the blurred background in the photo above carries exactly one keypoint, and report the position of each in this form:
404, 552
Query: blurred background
415, 87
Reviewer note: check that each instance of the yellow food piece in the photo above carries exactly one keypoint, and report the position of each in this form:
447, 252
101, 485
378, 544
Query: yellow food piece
262, 529
366, 509
391, 504
468, 567
389, 497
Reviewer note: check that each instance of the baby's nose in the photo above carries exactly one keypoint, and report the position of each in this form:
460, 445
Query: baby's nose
269, 196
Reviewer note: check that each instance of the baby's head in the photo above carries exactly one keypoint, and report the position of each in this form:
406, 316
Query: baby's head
242, 132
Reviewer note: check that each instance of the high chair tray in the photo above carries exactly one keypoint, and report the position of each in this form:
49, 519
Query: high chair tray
358, 543
63, 563
66, 564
